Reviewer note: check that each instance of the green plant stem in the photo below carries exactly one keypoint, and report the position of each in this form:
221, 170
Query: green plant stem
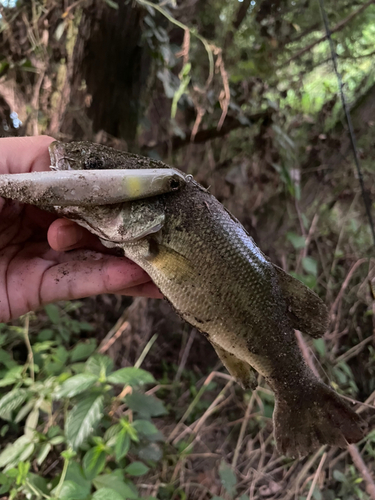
145, 351
30, 355
62, 478
37, 492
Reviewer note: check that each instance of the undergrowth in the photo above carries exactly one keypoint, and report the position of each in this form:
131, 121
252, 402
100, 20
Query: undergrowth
74, 427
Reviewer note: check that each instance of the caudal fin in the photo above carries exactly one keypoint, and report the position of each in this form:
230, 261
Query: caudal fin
317, 417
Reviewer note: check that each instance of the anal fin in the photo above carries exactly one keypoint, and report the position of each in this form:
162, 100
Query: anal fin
244, 374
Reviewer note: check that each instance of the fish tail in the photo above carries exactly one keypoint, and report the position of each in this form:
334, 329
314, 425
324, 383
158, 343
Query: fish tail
316, 417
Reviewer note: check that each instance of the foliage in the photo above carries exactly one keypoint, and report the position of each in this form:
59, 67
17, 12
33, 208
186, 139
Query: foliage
62, 406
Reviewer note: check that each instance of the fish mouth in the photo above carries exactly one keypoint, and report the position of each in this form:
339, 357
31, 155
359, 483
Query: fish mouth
67, 156
57, 156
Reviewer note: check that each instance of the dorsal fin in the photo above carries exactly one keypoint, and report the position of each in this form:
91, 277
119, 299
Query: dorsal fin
307, 312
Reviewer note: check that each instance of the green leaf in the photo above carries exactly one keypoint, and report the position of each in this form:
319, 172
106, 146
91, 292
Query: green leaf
99, 365
82, 350
43, 453
112, 4
310, 265
320, 346
24, 410
75, 385
137, 469
53, 312
13, 452
83, 419
131, 376
116, 482
148, 430
11, 401
94, 462
75, 474
339, 476
146, 406
122, 444
107, 494
38, 482
228, 478
31, 422
72, 491
297, 241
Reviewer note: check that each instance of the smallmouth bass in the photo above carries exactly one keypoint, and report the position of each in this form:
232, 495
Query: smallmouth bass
218, 280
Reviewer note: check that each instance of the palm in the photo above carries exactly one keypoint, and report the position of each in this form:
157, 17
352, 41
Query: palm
27, 262
35, 267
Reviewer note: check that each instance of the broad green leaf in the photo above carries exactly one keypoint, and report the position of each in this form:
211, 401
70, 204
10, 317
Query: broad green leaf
99, 365
148, 430
13, 451
94, 462
146, 406
297, 241
53, 312
131, 376
107, 494
11, 401
339, 476
82, 350
11, 375
310, 265
122, 444
24, 410
228, 478
31, 422
116, 482
83, 419
72, 491
75, 474
111, 433
75, 385
137, 469
43, 453
38, 482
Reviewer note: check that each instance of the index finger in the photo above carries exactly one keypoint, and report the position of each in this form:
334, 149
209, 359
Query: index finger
24, 154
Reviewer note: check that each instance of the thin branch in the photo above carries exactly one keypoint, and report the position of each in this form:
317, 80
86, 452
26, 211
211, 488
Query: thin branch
339, 26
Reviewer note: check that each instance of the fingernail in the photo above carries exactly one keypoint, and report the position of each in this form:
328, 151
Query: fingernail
68, 236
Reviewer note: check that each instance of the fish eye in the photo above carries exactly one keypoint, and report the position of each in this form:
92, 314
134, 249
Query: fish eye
174, 184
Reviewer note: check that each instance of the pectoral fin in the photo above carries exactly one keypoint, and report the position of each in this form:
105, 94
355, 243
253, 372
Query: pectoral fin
306, 311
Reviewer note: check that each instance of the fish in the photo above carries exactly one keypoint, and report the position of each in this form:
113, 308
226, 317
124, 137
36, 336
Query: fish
217, 279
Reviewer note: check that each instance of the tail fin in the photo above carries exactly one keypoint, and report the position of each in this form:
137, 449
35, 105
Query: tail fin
317, 417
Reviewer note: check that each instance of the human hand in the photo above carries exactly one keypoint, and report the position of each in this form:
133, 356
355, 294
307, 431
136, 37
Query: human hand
44, 259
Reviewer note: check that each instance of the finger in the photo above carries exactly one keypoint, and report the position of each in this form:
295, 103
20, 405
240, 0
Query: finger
24, 154
93, 275
32, 279
64, 235
148, 289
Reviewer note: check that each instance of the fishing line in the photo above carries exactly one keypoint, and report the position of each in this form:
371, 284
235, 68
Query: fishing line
365, 196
